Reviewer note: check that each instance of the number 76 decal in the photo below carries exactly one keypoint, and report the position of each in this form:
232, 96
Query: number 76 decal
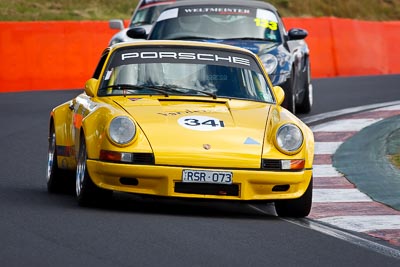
201, 123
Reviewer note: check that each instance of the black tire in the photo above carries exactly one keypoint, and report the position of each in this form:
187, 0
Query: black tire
58, 180
307, 101
306, 105
87, 193
290, 97
297, 208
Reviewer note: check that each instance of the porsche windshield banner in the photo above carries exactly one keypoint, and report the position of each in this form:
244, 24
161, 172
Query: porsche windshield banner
142, 55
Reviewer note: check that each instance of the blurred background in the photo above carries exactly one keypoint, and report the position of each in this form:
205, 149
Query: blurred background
37, 10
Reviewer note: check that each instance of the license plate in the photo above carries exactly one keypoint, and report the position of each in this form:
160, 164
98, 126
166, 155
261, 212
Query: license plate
200, 176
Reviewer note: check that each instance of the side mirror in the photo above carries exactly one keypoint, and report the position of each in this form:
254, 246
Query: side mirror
137, 33
279, 94
117, 24
297, 34
90, 87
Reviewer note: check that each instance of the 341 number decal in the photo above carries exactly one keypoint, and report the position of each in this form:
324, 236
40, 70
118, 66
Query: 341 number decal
201, 123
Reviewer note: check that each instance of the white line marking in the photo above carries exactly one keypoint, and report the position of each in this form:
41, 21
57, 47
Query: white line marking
322, 148
348, 125
325, 170
346, 111
395, 107
365, 223
348, 237
339, 195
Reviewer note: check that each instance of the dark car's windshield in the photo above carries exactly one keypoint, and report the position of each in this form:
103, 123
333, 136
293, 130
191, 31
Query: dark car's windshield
217, 23
146, 15
183, 71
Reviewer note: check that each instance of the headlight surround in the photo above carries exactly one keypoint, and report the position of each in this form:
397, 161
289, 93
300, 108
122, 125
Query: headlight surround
122, 130
115, 41
270, 62
289, 138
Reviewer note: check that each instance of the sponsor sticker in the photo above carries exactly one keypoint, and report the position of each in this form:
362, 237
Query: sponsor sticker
266, 14
221, 10
108, 75
266, 19
168, 14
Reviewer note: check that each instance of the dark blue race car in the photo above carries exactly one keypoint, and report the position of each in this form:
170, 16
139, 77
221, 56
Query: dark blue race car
144, 16
254, 25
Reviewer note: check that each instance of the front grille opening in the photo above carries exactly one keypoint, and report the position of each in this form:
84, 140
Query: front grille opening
143, 158
272, 164
128, 181
281, 188
207, 189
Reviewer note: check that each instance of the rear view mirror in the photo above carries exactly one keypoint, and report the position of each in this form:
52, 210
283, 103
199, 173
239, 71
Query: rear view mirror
137, 33
279, 94
297, 34
117, 24
90, 87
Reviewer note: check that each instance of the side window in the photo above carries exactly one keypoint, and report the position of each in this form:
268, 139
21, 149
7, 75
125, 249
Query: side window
100, 65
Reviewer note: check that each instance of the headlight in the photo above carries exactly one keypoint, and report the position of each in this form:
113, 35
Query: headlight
115, 41
270, 62
122, 130
289, 138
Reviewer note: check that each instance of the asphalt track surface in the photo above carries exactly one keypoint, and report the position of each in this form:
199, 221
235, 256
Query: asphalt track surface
41, 229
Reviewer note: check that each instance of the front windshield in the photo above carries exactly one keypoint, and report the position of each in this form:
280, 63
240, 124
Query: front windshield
146, 15
184, 72
217, 23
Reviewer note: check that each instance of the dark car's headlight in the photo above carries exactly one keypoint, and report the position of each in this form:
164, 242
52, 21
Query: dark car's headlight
270, 62
289, 138
122, 130
115, 41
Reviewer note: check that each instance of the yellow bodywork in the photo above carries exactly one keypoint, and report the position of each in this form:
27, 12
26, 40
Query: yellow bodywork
176, 148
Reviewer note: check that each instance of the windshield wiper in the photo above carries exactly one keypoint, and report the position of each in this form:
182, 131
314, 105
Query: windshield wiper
246, 38
163, 89
252, 39
190, 37
140, 23
134, 87
178, 89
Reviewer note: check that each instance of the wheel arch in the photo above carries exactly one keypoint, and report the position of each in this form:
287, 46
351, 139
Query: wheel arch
93, 130
60, 119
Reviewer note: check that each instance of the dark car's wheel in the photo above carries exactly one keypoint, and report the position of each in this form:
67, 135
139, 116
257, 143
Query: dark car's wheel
290, 96
58, 180
306, 104
87, 192
307, 101
299, 207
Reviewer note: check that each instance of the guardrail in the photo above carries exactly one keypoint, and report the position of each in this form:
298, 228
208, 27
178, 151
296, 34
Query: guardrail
50, 55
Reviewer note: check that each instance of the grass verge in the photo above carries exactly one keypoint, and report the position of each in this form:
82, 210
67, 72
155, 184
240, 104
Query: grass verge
395, 160
44, 10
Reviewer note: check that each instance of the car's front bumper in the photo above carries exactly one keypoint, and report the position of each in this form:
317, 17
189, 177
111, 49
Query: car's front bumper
167, 181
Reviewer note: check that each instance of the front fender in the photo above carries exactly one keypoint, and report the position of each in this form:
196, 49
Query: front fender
279, 116
61, 118
95, 130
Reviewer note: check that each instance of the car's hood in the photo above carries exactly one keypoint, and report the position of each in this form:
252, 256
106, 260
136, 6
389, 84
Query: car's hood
202, 131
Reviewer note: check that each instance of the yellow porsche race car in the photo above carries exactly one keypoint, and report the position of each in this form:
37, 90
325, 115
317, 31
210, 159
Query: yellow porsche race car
185, 120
